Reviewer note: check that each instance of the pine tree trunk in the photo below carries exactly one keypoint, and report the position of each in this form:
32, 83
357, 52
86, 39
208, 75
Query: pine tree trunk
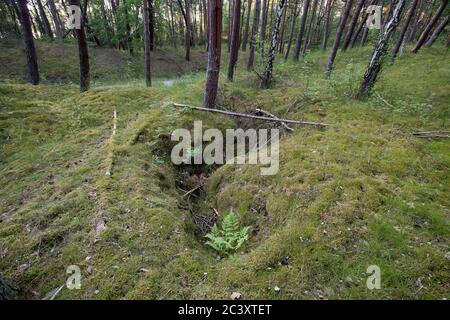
310, 32
281, 37
251, 58
147, 41
337, 40
82, 51
234, 39
265, 10
247, 26
30, 50
375, 63
326, 30
56, 20
129, 40
437, 32
46, 23
351, 28
268, 73
151, 23
361, 25
188, 30
215, 37
40, 25
298, 43
430, 26
400, 39
291, 35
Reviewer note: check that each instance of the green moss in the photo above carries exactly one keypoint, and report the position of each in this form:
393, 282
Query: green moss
361, 192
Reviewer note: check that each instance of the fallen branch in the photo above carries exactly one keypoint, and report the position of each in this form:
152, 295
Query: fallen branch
244, 115
275, 117
192, 190
432, 134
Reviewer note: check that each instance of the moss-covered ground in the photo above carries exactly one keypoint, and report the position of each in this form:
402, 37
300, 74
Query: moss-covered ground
361, 192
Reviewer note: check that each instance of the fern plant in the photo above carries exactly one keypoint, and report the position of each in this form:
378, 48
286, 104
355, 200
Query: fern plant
230, 238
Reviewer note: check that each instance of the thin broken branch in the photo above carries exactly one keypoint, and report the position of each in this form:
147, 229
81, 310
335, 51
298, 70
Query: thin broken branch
259, 110
244, 115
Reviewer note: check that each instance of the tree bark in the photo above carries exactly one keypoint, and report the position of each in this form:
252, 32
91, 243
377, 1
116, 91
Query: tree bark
430, 26
151, 22
298, 43
215, 35
187, 19
361, 25
268, 73
251, 58
310, 32
82, 52
409, 17
351, 28
30, 50
247, 26
235, 32
291, 35
437, 32
265, 10
326, 30
147, 41
56, 20
46, 23
375, 63
337, 40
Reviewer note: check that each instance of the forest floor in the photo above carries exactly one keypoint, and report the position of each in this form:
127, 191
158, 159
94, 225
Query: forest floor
361, 192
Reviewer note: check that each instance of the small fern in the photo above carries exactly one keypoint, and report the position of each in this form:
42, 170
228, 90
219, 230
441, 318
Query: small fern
228, 240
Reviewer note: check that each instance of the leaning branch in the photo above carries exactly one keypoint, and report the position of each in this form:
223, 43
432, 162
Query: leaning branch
245, 115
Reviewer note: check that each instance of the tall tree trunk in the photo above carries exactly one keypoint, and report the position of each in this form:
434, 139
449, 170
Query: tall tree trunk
247, 26
215, 35
375, 63
46, 23
268, 72
151, 12
291, 35
281, 37
310, 32
234, 39
412, 34
147, 42
400, 39
172, 19
437, 32
430, 26
82, 51
351, 28
298, 43
186, 11
251, 58
327, 28
265, 11
56, 20
40, 25
129, 40
361, 25
230, 24
30, 50
337, 39
205, 22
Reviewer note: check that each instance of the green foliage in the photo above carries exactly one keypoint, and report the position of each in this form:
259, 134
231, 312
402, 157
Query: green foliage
228, 240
